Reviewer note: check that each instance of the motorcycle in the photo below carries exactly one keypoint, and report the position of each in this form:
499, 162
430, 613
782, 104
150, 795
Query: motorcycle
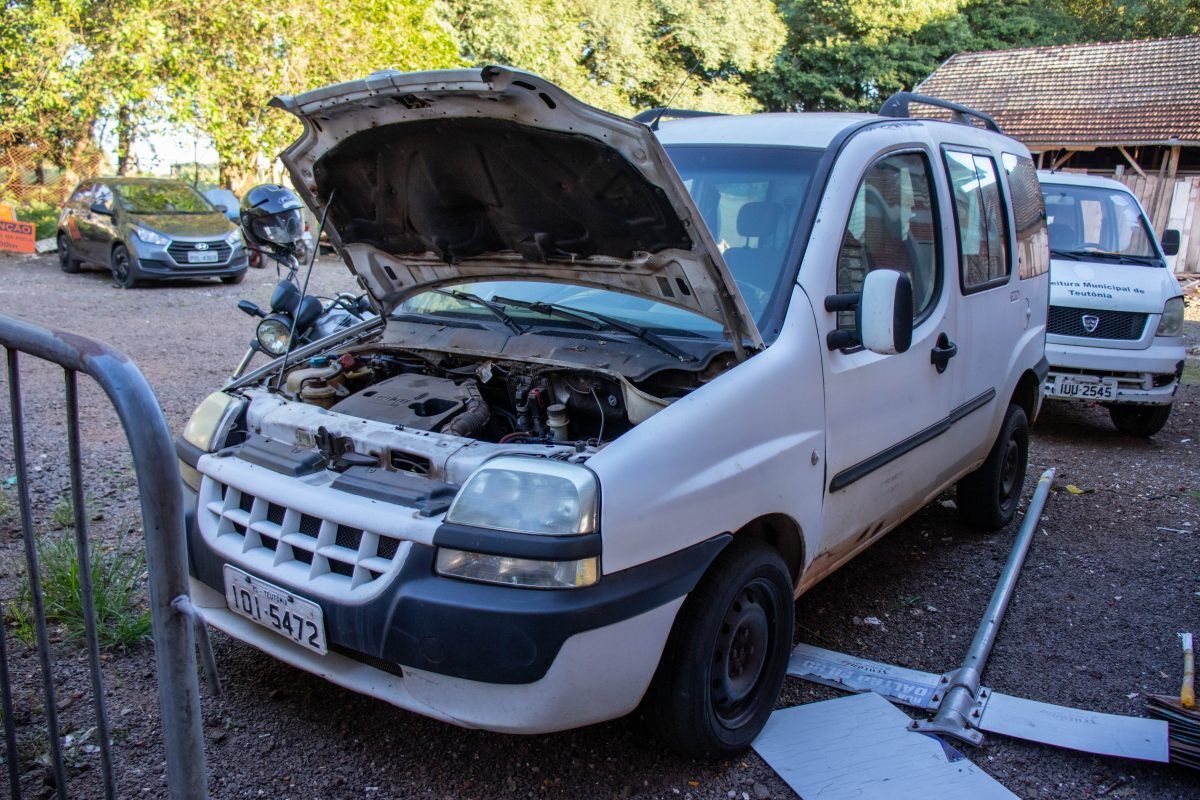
271, 226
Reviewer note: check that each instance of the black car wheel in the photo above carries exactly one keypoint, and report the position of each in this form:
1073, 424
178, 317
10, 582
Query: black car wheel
238, 278
988, 497
66, 259
124, 270
1139, 420
726, 659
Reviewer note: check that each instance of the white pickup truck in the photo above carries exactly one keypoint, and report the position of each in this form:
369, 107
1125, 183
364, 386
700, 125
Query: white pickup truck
1115, 329
629, 394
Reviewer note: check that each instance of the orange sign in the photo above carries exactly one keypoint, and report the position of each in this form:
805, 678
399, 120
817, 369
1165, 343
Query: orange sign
17, 237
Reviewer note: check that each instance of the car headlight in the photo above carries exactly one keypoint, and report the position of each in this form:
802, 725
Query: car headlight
1171, 322
151, 237
273, 334
528, 495
510, 571
206, 429
233, 238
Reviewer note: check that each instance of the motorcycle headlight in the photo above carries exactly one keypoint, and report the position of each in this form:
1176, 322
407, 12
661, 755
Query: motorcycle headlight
1171, 321
527, 572
151, 237
528, 495
273, 333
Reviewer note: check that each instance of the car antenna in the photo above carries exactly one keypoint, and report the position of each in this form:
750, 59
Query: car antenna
671, 99
312, 259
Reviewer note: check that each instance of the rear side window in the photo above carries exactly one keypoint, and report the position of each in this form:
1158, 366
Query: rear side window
1029, 216
979, 212
891, 226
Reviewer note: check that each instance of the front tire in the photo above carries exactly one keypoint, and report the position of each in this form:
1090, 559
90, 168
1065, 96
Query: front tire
988, 497
726, 658
1139, 420
124, 271
66, 259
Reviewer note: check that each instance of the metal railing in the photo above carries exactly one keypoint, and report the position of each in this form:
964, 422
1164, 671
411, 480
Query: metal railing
172, 617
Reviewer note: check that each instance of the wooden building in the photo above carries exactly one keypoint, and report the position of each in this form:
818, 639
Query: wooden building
1129, 110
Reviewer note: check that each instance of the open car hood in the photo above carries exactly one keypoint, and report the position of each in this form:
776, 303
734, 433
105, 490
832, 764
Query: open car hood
493, 174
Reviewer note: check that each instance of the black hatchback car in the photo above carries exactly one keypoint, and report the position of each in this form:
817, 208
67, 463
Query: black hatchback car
148, 229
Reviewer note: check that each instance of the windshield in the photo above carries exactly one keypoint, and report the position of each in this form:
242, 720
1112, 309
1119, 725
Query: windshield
1094, 221
750, 198
162, 198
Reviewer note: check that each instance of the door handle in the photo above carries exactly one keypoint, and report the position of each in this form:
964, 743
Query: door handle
942, 352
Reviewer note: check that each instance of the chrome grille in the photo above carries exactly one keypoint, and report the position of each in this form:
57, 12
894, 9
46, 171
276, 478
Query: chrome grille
1123, 325
295, 545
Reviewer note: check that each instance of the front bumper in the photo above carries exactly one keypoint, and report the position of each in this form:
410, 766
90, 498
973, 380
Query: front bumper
1144, 377
478, 655
156, 262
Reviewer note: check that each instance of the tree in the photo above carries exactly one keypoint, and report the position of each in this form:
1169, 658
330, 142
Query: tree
625, 55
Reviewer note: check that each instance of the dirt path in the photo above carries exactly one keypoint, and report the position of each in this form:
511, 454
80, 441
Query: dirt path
1111, 577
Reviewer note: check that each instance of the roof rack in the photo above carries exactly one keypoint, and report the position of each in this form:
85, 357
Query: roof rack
652, 116
897, 106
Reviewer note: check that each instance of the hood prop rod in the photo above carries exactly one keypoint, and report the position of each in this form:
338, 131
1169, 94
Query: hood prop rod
312, 260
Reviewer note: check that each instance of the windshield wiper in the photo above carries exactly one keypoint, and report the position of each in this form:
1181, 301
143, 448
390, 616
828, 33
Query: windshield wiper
597, 321
496, 309
1074, 255
1129, 258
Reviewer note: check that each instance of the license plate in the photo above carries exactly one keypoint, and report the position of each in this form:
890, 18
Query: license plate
278, 609
1083, 388
203, 256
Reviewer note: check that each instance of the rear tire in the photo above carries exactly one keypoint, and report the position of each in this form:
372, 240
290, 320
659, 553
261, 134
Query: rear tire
1139, 420
726, 658
988, 497
241, 276
66, 259
124, 270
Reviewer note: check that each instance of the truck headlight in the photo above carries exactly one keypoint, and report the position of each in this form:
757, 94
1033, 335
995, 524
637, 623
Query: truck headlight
526, 572
528, 495
1171, 321
207, 428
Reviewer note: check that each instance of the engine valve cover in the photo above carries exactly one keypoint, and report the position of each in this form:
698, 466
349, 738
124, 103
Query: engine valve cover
415, 401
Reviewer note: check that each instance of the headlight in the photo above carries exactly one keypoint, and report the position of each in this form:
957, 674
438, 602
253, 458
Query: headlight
528, 495
151, 237
206, 420
273, 333
1171, 322
525, 572
234, 238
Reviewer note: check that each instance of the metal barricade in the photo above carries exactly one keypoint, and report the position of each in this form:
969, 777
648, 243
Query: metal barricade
171, 612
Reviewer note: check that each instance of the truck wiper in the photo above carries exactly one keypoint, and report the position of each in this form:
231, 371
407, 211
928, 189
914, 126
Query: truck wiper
1129, 258
496, 308
597, 321
1074, 255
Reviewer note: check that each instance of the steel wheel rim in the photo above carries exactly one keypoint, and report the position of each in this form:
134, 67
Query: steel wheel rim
121, 266
740, 654
1009, 467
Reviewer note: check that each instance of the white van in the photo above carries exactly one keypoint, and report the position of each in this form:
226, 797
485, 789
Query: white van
1115, 330
629, 395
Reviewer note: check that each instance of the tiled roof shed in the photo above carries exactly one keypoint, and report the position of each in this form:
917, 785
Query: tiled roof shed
1115, 93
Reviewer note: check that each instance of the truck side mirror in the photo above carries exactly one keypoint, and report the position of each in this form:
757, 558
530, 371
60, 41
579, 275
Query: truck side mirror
1170, 242
885, 312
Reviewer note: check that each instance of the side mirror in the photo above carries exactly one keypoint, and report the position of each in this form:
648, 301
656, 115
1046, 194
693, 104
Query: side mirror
885, 312
221, 207
249, 307
101, 209
1170, 242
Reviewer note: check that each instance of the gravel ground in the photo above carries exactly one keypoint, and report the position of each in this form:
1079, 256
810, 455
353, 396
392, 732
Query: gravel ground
1112, 575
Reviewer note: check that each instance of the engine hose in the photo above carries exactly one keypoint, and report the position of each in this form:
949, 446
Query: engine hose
474, 417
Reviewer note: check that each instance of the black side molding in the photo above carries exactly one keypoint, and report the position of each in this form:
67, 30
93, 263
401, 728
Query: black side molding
869, 465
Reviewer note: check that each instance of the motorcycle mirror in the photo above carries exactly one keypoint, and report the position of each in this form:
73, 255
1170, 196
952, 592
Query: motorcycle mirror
249, 307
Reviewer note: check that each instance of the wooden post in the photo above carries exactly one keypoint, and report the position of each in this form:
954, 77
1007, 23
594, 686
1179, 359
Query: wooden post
1173, 161
1129, 158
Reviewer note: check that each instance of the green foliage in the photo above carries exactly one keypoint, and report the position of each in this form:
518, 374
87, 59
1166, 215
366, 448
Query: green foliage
42, 214
62, 516
117, 576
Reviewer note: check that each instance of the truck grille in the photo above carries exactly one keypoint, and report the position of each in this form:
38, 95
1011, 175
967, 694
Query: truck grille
179, 251
297, 546
1124, 325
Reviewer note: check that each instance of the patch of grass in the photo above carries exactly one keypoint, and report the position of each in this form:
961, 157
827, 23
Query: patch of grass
1191, 372
42, 214
122, 618
62, 516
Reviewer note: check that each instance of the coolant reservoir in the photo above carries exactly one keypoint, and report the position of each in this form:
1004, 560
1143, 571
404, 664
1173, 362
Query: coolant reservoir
320, 383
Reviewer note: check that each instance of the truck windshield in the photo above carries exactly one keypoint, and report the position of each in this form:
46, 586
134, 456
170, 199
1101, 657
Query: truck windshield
1094, 223
750, 198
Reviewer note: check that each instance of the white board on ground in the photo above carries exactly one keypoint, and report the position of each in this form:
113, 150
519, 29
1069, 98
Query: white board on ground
859, 748
1075, 728
899, 684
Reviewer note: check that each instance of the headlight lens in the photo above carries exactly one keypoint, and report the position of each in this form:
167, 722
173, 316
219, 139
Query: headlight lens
151, 237
206, 420
273, 334
528, 495
234, 238
1171, 322
526, 572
